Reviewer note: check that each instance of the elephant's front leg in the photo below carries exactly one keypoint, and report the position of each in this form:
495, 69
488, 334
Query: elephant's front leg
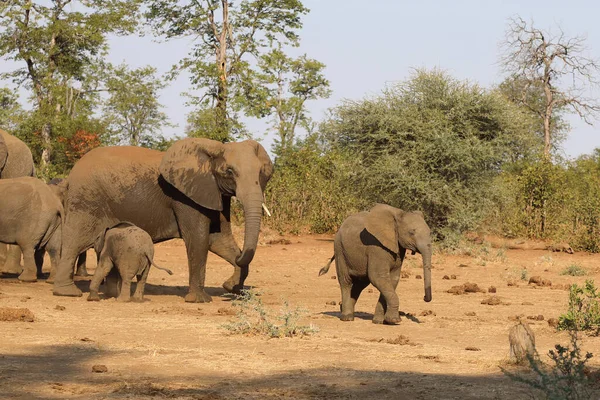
195, 236
223, 245
81, 269
380, 275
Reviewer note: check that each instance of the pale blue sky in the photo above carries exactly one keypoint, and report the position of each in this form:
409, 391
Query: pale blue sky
366, 44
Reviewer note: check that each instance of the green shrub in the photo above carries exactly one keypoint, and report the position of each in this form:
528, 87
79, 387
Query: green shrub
253, 319
583, 313
574, 270
564, 378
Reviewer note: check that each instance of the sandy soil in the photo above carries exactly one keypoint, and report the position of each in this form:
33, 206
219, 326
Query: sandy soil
165, 348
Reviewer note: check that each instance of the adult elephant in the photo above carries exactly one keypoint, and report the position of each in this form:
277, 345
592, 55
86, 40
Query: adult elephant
184, 192
15, 161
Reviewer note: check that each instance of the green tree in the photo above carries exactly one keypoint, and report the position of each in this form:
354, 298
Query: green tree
11, 113
284, 85
132, 112
431, 143
229, 36
556, 65
58, 45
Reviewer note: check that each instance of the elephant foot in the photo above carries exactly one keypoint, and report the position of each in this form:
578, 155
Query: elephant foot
137, 299
50, 278
232, 287
198, 297
347, 317
69, 290
377, 320
12, 269
392, 319
93, 296
121, 299
28, 277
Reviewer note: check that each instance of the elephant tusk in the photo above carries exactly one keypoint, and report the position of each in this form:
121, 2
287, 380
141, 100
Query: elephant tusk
266, 209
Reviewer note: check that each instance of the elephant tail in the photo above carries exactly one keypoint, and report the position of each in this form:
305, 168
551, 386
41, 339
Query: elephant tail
168, 271
325, 269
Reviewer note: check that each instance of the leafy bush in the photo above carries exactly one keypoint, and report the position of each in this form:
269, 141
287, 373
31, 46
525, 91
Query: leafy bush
565, 378
584, 309
574, 270
431, 143
253, 319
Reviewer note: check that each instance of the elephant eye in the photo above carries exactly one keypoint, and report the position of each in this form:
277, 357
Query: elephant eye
229, 171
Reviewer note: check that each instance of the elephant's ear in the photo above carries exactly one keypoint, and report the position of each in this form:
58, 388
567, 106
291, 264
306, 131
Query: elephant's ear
188, 166
3, 153
266, 169
99, 243
381, 223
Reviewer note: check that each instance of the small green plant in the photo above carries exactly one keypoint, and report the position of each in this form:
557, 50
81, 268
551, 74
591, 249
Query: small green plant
574, 270
524, 274
564, 378
253, 319
584, 309
501, 254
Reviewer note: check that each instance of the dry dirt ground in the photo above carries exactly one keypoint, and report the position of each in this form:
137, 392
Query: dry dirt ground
166, 348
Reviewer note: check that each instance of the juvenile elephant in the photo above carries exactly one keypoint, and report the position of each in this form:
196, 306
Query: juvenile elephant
15, 161
31, 217
131, 251
184, 192
370, 247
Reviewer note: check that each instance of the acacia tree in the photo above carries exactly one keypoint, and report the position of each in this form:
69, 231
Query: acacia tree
556, 65
57, 43
283, 86
228, 36
132, 112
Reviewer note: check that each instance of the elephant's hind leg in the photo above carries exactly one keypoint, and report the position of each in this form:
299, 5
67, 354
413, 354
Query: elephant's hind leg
141, 285
29, 273
12, 263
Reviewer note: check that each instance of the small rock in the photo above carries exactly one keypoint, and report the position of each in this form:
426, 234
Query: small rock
492, 301
492, 289
452, 276
25, 298
553, 322
333, 277
536, 317
86, 339
536, 280
426, 313
470, 313
472, 288
99, 368
471, 348
546, 282
462, 265
331, 303
446, 277
511, 282
457, 289
418, 277
59, 308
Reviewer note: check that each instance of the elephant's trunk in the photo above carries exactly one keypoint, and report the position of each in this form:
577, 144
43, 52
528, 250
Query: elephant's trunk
426, 253
252, 204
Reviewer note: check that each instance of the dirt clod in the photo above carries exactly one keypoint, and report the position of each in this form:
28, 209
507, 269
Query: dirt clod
333, 277
452, 276
418, 277
462, 265
446, 277
404, 274
279, 241
231, 311
472, 348
426, 313
539, 281
526, 303
492, 301
466, 288
10, 314
60, 308
553, 322
99, 368
470, 313
536, 317
331, 303
512, 282
492, 289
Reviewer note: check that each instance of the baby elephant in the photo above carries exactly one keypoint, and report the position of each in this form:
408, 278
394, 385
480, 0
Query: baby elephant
131, 250
369, 247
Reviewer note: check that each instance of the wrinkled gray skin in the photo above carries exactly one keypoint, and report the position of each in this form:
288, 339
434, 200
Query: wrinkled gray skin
15, 161
131, 251
184, 192
30, 217
370, 247
59, 187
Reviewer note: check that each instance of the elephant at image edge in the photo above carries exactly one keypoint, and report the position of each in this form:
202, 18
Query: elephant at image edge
370, 247
184, 192
15, 161
31, 217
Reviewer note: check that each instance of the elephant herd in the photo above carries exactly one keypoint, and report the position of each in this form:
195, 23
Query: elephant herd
122, 199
